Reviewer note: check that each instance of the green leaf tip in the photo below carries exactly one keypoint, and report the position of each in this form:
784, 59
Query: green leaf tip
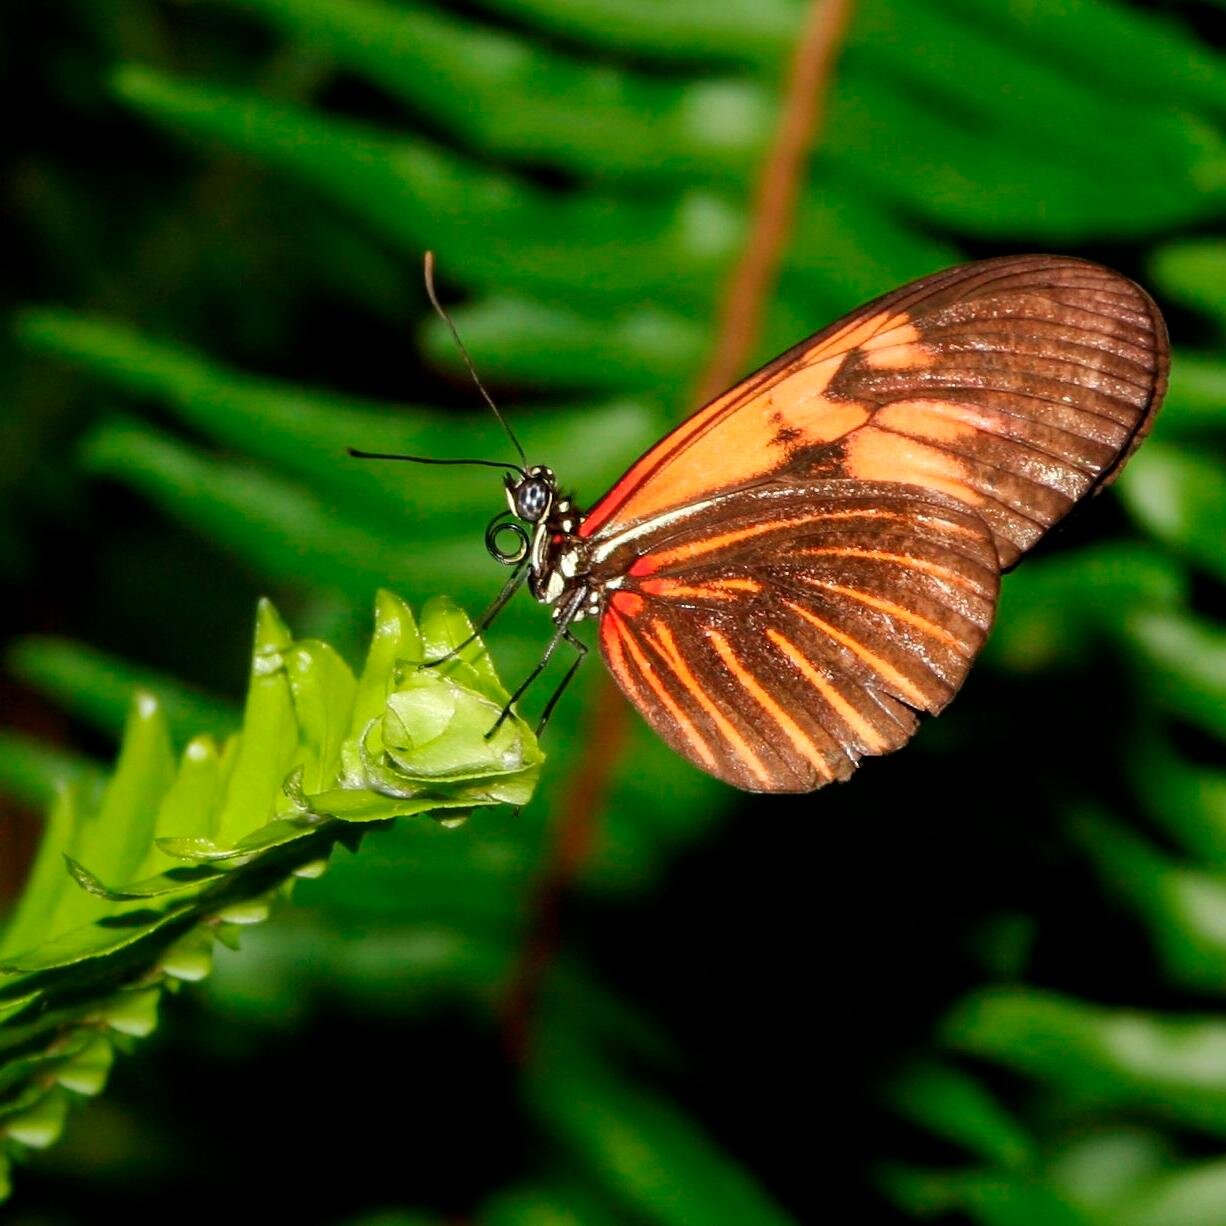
87, 881
271, 633
425, 732
180, 852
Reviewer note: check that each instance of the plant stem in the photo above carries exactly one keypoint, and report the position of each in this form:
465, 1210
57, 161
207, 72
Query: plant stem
748, 290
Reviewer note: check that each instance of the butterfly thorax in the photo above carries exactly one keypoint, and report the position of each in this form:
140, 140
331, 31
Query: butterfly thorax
560, 572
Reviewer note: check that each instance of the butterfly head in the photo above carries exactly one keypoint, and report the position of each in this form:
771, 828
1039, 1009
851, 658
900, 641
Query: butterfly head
531, 495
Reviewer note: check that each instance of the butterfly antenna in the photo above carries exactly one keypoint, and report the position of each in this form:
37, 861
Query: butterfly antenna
472, 370
421, 459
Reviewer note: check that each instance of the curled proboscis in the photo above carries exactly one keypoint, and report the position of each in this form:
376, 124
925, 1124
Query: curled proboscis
500, 525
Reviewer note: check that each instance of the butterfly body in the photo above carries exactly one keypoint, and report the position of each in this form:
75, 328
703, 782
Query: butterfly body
808, 562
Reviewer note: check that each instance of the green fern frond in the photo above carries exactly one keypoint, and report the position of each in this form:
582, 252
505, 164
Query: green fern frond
171, 856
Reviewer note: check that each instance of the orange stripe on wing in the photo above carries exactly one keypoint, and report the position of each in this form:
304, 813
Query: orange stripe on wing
877, 555
900, 332
857, 333
648, 672
893, 610
652, 562
615, 655
897, 348
716, 589
692, 549
736, 585
792, 730
666, 647
907, 688
873, 454
630, 604
868, 735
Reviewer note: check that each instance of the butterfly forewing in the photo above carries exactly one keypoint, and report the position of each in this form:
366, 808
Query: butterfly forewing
1014, 385
814, 556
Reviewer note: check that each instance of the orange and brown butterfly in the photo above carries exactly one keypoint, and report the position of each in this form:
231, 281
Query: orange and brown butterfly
784, 581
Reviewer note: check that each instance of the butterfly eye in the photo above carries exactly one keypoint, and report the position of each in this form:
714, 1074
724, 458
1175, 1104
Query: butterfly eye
531, 500
500, 525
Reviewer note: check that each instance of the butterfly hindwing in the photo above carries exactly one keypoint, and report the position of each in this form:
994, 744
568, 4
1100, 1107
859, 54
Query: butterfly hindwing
780, 634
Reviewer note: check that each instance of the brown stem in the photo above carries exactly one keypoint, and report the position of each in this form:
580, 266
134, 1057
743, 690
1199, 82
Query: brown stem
774, 204
572, 837
740, 319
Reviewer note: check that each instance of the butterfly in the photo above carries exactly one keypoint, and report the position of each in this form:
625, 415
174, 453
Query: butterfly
788, 579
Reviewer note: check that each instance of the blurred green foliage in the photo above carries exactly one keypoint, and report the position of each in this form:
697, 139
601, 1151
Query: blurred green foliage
983, 980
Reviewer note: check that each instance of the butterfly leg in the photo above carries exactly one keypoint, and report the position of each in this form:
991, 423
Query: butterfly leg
562, 632
581, 647
486, 619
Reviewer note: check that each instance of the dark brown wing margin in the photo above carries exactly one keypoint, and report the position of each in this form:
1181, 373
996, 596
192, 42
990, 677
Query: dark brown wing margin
1027, 380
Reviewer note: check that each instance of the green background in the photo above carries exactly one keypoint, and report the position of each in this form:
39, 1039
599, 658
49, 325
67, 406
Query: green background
983, 981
